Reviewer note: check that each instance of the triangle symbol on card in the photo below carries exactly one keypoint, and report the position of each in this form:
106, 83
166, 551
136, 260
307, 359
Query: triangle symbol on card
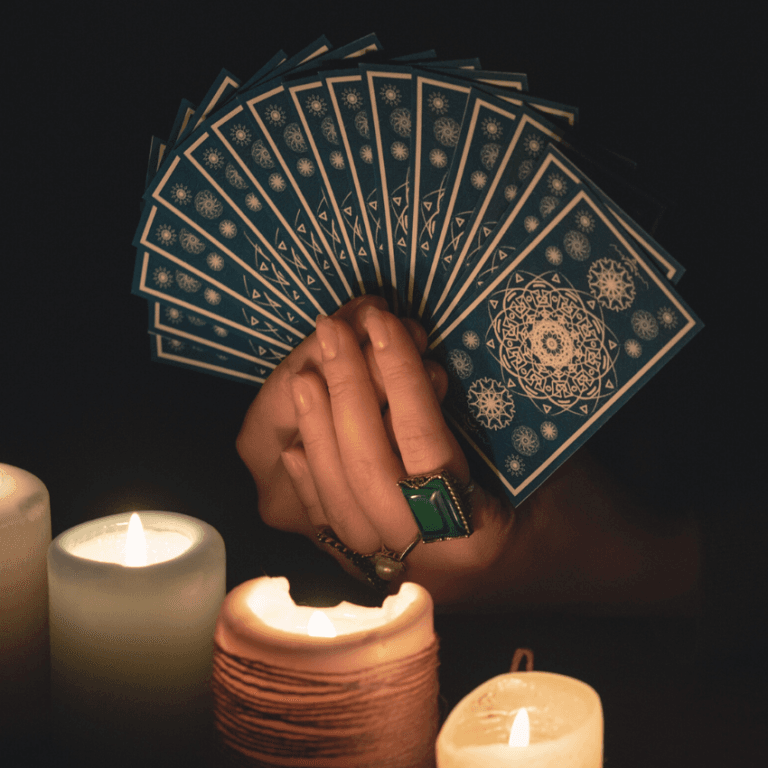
448, 259
254, 321
428, 205
591, 304
281, 245
546, 408
397, 200
519, 278
502, 255
291, 317
296, 296
348, 210
326, 265
584, 409
262, 351
609, 384
323, 216
373, 204
494, 303
301, 228
487, 231
491, 344
425, 246
264, 268
310, 279
556, 278
401, 242
255, 294
460, 220
612, 344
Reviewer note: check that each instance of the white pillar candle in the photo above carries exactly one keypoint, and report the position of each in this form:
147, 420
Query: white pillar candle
565, 716
341, 686
25, 533
132, 634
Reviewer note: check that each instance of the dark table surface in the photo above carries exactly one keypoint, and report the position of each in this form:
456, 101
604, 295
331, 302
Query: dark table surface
85, 409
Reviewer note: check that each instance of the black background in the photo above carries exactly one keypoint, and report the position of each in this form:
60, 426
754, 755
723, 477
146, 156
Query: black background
83, 407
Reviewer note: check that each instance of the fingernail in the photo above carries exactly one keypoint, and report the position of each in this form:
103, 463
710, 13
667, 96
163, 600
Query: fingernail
291, 462
302, 397
377, 328
328, 338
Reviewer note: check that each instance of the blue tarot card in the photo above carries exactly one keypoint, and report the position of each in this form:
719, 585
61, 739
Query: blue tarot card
203, 187
326, 169
389, 91
439, 104
519, 150
191, 328
487, 126
184, 265
243, 165
355, 138
553, 183
551, 347
191, 356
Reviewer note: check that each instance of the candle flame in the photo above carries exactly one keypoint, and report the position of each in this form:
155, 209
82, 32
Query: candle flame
319, 625
135, 543
520, 733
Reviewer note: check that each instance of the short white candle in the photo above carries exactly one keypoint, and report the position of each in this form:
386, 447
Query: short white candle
25, 533
566, 724
132, 643
260, 623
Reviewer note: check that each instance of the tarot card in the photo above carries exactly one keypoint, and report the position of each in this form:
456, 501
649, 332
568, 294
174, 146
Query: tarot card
488, 123
192, 356
205, 189
513, 165
171, 321
389, 92
337, 206
353, 134
556, 343
438, 105
177, 263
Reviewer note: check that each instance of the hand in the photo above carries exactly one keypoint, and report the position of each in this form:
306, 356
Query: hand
346, 468
271, 426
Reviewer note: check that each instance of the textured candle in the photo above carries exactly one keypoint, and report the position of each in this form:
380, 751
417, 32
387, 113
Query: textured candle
345, 686
25, 533
131, 644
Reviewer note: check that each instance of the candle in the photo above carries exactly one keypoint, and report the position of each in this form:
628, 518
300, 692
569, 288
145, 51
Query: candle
344, 686
133, 607
531, 719
25, 533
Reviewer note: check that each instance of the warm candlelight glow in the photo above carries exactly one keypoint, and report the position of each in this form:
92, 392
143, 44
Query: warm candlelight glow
135, 543
320, 625
520, 733
7, 485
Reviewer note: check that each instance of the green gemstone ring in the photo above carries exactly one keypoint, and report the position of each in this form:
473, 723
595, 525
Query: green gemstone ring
440, 506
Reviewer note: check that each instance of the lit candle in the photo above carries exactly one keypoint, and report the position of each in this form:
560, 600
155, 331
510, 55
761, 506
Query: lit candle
341, 686
531, 719
133, 606
25, 533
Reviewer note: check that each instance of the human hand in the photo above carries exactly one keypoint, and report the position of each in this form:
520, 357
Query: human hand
271, 426
345, 470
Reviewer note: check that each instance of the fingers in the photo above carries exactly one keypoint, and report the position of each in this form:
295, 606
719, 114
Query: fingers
370, 466
424, 440
316, 426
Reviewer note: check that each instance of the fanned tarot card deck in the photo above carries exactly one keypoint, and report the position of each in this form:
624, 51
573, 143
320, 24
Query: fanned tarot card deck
446, 189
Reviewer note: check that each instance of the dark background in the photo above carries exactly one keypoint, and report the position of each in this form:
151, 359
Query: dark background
83, 407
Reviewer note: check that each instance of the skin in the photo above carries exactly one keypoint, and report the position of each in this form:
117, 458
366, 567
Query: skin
355, 407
